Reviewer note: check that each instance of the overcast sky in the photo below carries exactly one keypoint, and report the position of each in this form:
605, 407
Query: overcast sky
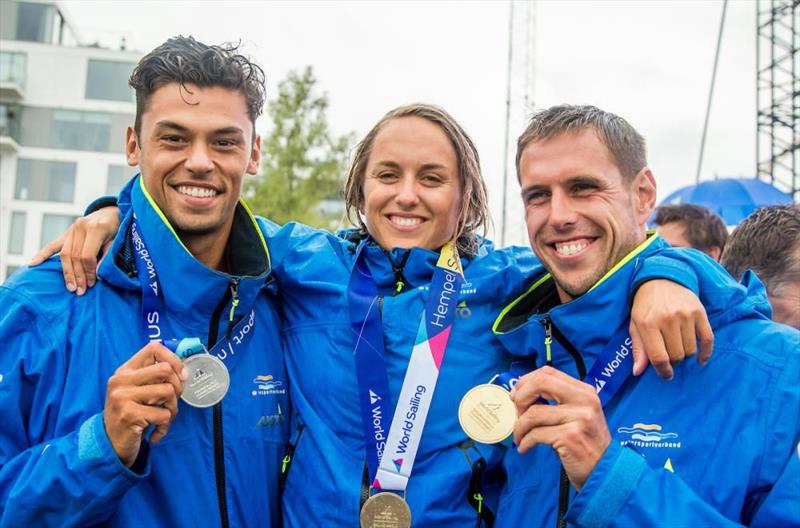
648, 61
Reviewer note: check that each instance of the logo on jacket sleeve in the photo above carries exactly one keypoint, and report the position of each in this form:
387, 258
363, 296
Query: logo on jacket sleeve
647, 435
266, 385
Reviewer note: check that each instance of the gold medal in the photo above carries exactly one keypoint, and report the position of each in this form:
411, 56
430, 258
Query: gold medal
386, 510
487, 414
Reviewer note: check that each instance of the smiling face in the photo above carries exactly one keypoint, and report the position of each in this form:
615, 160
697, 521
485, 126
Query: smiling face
582, 215
193, 149
411, 186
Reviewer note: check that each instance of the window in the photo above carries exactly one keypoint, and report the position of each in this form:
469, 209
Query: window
118, 175
53, 225
16, 236
109, 80
12, 67
51, 181
35, 22
9, 120
77, 130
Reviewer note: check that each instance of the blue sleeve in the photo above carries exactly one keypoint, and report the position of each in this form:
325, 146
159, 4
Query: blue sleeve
709, 281
71, 479
661, 266
100, 203
295, 245
624, 491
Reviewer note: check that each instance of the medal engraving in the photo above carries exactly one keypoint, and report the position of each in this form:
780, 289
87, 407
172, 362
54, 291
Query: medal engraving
208, 380
487, 414
385, 510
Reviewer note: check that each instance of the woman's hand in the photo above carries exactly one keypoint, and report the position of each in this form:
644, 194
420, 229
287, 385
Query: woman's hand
80, 245
667, 322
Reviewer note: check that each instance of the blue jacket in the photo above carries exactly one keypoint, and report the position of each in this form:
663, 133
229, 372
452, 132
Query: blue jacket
325, 477
716, 446
57, 466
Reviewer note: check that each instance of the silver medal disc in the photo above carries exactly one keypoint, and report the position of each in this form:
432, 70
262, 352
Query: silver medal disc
208, 380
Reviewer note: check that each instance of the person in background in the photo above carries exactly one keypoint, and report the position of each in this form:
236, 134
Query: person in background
768, 242
91, 431
694, 226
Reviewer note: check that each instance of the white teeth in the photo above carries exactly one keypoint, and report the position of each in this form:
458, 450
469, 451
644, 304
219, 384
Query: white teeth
405, 221
196, 192
570, 248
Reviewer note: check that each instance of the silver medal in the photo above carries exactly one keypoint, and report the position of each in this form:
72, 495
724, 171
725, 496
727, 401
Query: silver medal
208, 380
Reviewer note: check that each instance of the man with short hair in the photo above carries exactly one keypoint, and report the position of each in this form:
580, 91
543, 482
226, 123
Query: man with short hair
89, 398
716, 446
694, 226
768, 242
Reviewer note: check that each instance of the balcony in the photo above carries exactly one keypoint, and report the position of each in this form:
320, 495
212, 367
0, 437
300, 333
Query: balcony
12, 76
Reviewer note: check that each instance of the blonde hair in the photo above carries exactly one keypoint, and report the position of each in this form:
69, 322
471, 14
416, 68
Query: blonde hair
473, 218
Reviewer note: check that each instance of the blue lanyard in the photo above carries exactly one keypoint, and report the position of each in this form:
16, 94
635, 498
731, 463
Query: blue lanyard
371, 372
154, 322
153, 312
610, 370
613, 366
371, 369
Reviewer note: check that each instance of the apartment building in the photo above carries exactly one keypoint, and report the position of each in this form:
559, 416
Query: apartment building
64, 107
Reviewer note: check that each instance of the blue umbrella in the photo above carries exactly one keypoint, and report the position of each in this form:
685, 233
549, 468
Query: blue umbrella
731, 198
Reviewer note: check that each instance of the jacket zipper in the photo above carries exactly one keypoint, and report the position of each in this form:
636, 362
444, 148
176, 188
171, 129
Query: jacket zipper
286, 463
550, 331
219, 443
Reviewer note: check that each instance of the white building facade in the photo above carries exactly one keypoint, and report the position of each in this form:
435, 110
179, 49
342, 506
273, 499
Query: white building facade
63, 113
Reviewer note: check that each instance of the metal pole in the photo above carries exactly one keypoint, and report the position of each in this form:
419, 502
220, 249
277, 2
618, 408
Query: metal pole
508, 118
711, 90
758, 90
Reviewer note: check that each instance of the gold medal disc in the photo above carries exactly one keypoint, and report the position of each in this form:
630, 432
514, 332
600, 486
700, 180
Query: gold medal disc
487, 414
386, 510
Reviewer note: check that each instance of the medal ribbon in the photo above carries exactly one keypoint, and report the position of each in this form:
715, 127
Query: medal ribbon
422, 373
154, 323
373, 380
610, 370
613, 366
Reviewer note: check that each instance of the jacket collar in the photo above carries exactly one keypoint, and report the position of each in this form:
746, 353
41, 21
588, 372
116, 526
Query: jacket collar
588, 322
414, 267
191, 290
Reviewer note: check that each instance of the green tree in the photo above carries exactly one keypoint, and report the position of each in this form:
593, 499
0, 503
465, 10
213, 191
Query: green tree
303, 163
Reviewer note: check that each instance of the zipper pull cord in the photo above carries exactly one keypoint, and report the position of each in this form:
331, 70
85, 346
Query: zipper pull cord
548, 340
478, 497
234, 298
400, 280
286, 460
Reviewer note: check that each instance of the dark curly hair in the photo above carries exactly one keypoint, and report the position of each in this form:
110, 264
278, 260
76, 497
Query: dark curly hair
184, 60
704, 228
